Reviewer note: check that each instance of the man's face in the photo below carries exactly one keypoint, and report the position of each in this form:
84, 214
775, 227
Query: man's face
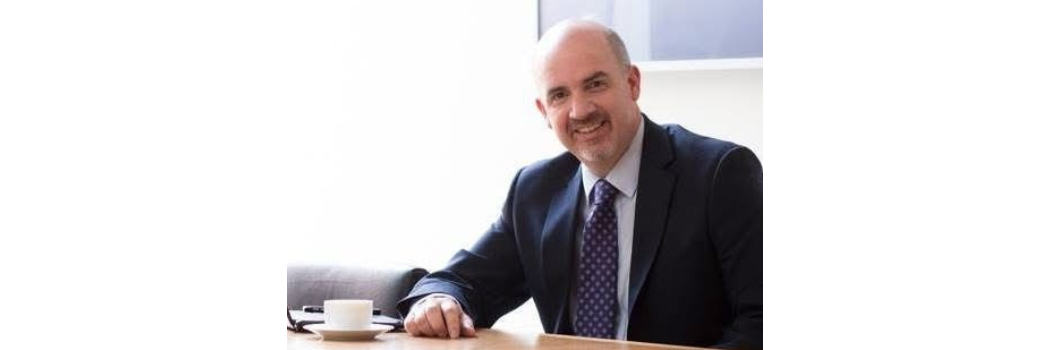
588, 98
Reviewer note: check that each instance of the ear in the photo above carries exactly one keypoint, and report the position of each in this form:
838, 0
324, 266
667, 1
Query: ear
543, 112
634, 80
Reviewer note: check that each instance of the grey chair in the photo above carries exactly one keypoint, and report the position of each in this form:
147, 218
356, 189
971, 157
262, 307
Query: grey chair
384, 284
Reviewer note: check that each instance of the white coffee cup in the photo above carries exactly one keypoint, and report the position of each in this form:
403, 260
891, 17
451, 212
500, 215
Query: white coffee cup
348, 313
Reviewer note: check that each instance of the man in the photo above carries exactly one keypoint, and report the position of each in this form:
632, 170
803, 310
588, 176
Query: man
639, 232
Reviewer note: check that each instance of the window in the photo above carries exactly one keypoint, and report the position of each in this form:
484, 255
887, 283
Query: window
673, 29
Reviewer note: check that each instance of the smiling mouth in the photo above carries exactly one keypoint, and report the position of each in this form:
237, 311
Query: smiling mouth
590, 129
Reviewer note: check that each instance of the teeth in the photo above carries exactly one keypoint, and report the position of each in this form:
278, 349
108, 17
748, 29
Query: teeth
588, 129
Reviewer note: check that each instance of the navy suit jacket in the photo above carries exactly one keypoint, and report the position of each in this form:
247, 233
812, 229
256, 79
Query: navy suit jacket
696, 268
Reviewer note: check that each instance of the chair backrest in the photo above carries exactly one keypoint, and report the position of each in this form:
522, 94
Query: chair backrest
384, 284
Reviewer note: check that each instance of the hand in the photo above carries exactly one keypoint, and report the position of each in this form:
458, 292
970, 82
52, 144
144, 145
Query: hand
438, 316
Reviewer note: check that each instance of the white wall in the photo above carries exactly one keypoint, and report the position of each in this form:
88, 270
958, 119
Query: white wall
416, 130
720, 103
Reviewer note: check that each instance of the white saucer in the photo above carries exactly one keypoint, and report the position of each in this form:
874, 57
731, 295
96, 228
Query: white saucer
329, 333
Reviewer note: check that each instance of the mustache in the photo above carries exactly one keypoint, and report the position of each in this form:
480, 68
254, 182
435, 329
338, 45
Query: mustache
592, 119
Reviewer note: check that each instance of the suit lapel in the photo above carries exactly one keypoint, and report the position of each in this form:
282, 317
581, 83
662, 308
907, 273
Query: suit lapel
655, 189
558, 232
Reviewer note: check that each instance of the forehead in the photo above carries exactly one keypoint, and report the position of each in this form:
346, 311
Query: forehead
573, 59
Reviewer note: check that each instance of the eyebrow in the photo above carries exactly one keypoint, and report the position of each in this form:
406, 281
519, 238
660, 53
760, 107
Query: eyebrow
597, 75
594, 76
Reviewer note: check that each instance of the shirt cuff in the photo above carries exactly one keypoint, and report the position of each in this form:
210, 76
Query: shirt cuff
429, 296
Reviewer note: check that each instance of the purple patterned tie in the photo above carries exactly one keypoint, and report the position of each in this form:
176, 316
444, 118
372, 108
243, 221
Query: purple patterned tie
596, 289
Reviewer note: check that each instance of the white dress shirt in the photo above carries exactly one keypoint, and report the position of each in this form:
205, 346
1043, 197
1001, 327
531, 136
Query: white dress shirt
623, 176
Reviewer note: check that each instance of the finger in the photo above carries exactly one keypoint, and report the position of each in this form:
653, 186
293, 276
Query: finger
436, 320
468, 326
419, 319
411, 320
423, 324
452, 320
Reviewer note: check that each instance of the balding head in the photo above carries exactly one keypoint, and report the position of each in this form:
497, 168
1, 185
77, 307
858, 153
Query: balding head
560, 33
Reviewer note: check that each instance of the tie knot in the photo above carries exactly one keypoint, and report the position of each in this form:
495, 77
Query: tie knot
604, 192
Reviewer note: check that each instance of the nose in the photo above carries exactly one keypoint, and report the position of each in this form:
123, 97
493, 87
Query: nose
581, 107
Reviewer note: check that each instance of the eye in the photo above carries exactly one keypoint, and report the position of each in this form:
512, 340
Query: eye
557, 96
595, 84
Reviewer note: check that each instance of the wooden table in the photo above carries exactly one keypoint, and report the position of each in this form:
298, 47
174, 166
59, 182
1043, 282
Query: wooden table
487, 339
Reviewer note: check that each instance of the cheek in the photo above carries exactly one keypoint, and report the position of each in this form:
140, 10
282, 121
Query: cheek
557, 121
561, 128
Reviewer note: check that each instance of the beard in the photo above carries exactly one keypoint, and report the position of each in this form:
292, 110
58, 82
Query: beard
596, 153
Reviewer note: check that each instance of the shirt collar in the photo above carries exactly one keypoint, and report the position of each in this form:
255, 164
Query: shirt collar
624, 175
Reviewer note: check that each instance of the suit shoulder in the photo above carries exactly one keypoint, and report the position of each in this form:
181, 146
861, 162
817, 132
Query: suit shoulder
536, 182
697, 147
564, 163
553, 170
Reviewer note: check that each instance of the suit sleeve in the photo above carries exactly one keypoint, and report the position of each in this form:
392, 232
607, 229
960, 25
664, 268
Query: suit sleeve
487, 279
736, 219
